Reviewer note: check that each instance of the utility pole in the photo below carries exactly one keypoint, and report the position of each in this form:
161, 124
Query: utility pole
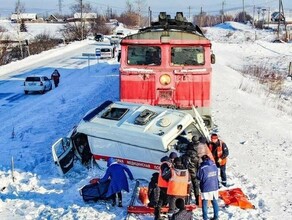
150, 16
18, 29
243, 11
253, 14
60, 6
189, 13
222, 14
201, 17
282, 15
81, 17
279, 19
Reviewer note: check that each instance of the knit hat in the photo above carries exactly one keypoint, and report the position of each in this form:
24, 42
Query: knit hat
205, 157
110, 161
202, 140
172, 155
154, 177
165, 158
214, 135
180, 203
195, 139
178, 164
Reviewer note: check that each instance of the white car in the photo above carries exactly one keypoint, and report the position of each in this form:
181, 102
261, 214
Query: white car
115, 39
37, 84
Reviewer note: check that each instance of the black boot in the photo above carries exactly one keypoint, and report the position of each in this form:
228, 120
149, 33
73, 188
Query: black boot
114, 200
120, 203
114, 203
157, 213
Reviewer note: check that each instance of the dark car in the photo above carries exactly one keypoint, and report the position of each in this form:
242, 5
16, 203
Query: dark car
99, 37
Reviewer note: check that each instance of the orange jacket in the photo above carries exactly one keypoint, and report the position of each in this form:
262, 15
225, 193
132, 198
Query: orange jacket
161, 182
178, 183
219, 153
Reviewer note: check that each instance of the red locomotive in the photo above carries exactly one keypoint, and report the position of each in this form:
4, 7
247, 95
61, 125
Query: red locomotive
168, 64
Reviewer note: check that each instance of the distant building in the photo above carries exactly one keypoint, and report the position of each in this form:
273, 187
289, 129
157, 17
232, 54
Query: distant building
85, 15
54, 19
113, 23
23, 16
276, 16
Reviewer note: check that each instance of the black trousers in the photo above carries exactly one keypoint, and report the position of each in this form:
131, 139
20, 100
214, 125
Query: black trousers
223, 173
163, 201
114, 197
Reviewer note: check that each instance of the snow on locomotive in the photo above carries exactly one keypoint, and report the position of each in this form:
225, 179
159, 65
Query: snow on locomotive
168, 64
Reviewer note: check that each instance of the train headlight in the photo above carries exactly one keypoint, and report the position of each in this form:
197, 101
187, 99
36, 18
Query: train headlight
165, 79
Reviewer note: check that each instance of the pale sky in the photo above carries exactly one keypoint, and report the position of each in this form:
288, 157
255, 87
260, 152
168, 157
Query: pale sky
170, 6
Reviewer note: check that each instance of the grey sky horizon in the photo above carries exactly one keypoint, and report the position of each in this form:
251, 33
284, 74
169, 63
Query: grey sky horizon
170, 6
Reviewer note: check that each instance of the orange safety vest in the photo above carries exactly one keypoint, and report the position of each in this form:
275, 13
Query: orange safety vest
220, 153
178, 183
161, 182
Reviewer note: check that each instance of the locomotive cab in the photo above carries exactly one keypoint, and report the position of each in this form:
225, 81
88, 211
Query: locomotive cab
168, 64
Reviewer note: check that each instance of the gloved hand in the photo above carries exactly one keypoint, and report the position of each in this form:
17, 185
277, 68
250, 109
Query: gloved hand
95, 180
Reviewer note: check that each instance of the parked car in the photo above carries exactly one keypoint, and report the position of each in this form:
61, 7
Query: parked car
115, 39
106, 52
120, 34
275, 16
99, 37
37, 84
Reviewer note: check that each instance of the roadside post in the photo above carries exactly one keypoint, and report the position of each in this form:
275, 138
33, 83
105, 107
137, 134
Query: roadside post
88, 55
97, 54
290, 69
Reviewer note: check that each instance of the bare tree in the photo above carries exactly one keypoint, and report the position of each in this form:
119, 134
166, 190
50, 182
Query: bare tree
130, 19
140, 5
19, 7
129, 6
81, 6
4, 46
43, 42
98, 26
74, 31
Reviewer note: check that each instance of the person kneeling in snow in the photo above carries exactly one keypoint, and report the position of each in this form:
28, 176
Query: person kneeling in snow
117, 174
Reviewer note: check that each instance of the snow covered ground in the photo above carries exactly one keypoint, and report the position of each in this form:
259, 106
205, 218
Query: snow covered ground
257, 131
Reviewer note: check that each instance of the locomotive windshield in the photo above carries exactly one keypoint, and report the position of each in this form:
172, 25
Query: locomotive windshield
187, 56
144, 55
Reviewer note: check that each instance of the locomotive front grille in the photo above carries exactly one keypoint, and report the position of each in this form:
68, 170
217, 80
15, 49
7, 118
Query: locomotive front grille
165, 95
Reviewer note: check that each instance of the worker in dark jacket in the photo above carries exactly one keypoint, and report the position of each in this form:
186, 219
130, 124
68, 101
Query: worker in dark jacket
208, 176
163, 178
191, 162
153, 190
182, 213
220, 153
56, 77
117, 174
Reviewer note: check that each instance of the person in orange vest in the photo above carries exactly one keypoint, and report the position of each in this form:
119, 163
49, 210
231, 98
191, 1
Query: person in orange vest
178, 184
163, 178
220, 153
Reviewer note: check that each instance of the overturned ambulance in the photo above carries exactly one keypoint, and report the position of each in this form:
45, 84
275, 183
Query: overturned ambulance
135, 134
